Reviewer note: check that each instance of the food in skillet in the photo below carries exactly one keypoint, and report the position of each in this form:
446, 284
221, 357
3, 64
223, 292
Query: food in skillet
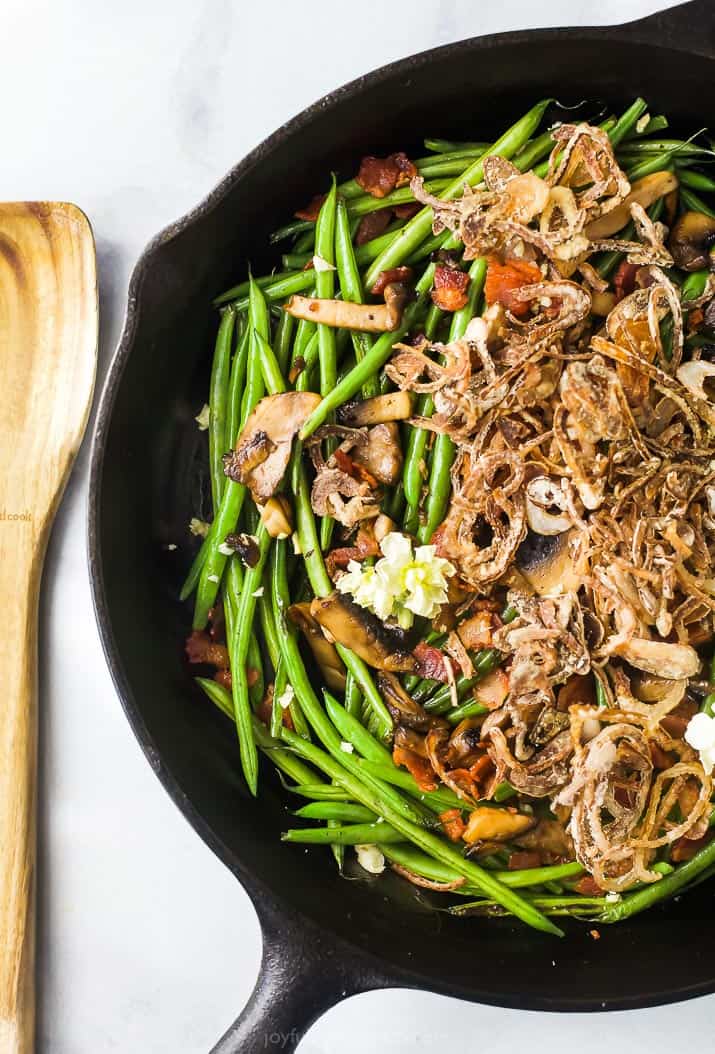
458, 586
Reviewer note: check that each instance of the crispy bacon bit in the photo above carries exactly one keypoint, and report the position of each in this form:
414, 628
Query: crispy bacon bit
379, 176
450, 288
373, 225
504, 279
419, 768
201, 649
224, 678
452, 824
523, 860
588, 887
408, 210
430, 662
493, 690
686, 848
478, 631
311, 210
661, 760
624, 280
394, 274
354, 468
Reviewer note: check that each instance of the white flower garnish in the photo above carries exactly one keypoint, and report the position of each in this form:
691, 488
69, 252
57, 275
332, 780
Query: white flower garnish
319, 264
370, 858
202, 417
286, 697
700, 734
199, 527
401, 584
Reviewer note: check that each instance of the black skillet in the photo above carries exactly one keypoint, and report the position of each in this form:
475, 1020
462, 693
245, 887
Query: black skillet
325, 938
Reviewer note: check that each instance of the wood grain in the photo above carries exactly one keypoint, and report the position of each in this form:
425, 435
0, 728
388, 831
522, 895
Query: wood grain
48, 350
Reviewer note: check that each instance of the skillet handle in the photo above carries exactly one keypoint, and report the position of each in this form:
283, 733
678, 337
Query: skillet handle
686, 27
302, 975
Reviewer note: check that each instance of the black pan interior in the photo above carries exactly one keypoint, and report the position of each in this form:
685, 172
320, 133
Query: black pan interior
149, 481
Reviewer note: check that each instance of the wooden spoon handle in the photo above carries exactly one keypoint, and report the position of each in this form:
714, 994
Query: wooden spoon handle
20, 571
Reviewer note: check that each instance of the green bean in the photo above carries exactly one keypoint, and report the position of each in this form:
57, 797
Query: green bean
289, 230
325, 288
428, 248
243, 630
695, 180
346, 812
235, 388
486, 661
283, 340
426, 840
504, 792
350, 834
270, 370
682, 147
421, 864
353, 732
628, 121
352, 290
449, 146
319, 791
574, 906
322, 587
367, 203
443, 451
418, 228
466, 710
535, 876
657, 163
533, 152
279, 686
295, 261
218, 400
437, 800
691, 201
369, 251
373, 361
278, 288
633, 903
234, 493
655, 124
305, 241
413, 473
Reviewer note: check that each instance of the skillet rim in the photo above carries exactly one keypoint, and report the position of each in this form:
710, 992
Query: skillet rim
269, 905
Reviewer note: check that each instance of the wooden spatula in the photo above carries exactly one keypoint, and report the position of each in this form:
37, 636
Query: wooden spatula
48, 354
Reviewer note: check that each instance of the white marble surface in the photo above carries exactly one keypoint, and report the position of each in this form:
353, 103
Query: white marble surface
134, 110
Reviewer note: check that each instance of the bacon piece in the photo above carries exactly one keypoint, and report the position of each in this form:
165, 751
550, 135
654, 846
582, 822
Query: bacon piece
311, 210
685, 848
201, 649
419, 768
354, 468
478, 630
379, 176
493, 690
661, 760
372, 225
624, 280
408, 210
450, 288
452, 824
394, 274
504, 279
430, 662
523, 860
588, 887
224, 678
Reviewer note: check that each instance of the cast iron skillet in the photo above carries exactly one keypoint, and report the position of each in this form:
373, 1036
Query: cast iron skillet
324, 937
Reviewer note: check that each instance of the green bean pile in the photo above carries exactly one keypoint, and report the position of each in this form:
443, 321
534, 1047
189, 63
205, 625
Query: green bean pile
332, 751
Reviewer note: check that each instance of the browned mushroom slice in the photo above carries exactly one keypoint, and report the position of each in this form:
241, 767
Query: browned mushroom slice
263, 447
342, 314
385, 648
402, 707
393, 406
546, 563
323, 651
496, 825
644, 192
692, 242
382, 455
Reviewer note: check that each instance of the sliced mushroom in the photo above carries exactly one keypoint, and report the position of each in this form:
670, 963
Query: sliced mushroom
384, 647
343, 314
546, 563
403, 708
644, 192
692, 242
382, 455
323, 651
264, 446
546, 506
463, 749
393, 406
277, 517
548, 836
674, 661
496, 825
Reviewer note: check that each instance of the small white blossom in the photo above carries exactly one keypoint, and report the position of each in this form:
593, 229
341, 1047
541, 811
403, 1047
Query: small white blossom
202, 417
347, 748
370, 858
199, 527
700, 734
401, 584
319, 264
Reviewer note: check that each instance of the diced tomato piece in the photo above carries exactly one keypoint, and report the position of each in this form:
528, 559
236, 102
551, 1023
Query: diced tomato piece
503, 279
